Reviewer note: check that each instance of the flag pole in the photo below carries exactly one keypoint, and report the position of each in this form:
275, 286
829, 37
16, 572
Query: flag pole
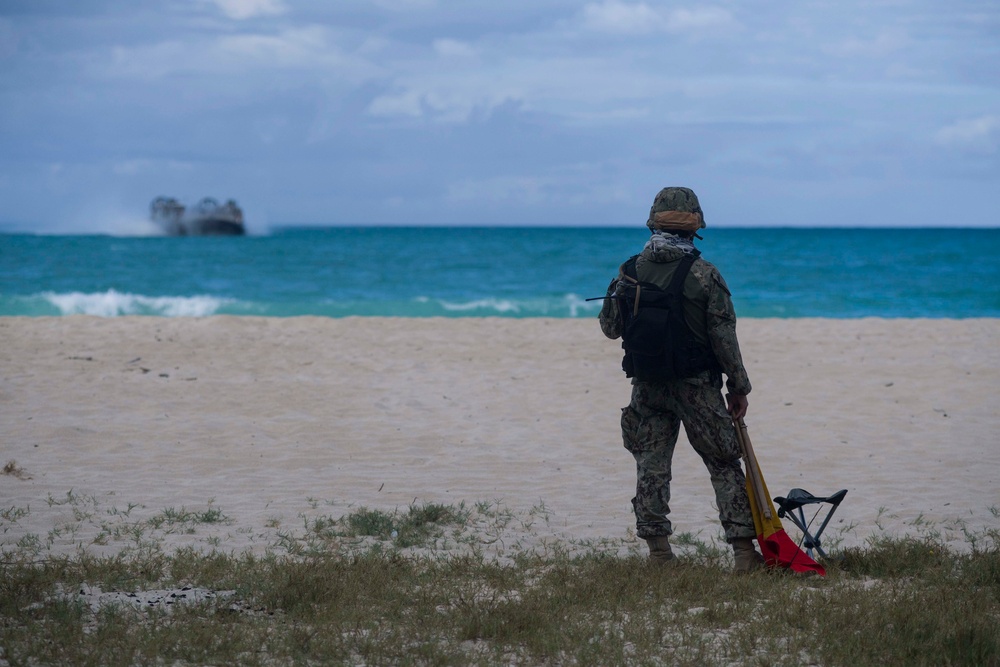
753, 470
777, 548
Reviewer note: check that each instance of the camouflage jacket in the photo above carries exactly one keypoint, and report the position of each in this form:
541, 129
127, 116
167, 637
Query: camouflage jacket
708, 308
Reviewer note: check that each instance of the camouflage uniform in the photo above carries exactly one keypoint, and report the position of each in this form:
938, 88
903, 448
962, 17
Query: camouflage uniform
651, 422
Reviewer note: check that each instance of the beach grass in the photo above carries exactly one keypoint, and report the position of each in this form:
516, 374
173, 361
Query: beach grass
430, 585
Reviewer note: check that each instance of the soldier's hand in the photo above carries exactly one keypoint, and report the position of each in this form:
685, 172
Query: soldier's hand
737, 404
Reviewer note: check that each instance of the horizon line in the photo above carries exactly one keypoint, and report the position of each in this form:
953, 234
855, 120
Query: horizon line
281, 227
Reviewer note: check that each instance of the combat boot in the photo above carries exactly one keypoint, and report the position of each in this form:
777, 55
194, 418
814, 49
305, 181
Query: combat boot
659, 549
746, 556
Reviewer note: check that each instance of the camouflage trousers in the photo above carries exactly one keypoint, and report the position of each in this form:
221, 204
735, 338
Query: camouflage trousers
650, 426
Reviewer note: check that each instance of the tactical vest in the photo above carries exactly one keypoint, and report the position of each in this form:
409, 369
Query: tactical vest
658, 343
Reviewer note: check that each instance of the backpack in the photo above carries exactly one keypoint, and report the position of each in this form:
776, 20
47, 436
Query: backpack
657, 341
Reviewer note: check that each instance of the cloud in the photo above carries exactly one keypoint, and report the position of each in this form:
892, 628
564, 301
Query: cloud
406, 5
885, 43
498, 189
407, 103
453, 48
137, 166
310, 50
306, 46
702, 18
614, 16
619, 17
246, 9
517, 190
568, 184
447, 104
978, 135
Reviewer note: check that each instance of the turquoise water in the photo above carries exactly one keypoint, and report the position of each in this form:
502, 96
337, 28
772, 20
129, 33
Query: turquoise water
511, 272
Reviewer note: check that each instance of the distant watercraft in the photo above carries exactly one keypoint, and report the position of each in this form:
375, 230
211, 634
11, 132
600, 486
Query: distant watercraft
206, 218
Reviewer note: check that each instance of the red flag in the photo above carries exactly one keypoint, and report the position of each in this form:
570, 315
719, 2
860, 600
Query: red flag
778, 549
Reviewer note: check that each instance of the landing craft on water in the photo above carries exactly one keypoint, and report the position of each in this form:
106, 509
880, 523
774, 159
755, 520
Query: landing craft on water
206, 218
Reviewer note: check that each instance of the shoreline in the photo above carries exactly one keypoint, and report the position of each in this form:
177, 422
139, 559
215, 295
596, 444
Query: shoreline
273, 420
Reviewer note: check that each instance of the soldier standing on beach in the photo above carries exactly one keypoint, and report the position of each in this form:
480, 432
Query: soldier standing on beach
676, 366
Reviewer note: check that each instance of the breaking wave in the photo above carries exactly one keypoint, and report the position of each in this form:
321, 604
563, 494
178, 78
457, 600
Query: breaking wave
569, 305
113, 303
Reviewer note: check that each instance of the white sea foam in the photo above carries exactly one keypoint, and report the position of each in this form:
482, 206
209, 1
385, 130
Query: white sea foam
578, 306
496, 305
570, 305
113, 303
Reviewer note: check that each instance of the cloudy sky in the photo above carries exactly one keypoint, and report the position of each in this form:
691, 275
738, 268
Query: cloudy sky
522, 112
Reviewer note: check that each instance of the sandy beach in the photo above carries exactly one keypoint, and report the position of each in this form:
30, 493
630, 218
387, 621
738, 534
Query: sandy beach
271, 421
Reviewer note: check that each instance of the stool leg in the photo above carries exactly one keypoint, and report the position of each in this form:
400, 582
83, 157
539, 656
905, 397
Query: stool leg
823, 526
809, 542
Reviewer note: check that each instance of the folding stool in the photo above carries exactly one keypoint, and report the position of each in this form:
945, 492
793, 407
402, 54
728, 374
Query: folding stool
791, 506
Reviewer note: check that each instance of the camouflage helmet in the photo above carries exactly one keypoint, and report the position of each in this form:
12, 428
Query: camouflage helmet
676, 209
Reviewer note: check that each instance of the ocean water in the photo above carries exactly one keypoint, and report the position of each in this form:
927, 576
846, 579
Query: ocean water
477, 272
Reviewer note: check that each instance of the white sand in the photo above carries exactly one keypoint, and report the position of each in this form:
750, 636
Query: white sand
112, 421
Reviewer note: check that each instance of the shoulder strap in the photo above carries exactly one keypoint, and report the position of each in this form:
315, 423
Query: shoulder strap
628, 268
676, 287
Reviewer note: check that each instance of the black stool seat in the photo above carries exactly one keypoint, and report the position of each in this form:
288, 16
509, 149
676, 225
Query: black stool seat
791, 506
796, 498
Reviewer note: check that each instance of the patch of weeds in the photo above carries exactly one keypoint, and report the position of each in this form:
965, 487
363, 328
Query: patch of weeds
70, 499
700, 551
895, 557
424, 522
418, 526
539, 510
80, 515
114, 511
30, 545
11, 468
211, 515
288, 543
686, 539
187, 519
14, 513
367, 522
881, 515
490, 523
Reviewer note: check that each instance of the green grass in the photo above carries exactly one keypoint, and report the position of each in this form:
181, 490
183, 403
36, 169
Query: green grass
425, 586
